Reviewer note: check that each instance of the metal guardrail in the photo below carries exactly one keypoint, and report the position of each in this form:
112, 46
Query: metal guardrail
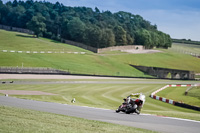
31, 70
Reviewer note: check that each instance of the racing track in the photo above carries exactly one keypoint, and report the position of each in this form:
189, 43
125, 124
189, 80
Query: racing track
155, 123
150, 122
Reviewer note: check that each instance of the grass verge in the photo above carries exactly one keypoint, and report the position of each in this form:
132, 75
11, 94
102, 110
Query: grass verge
178, 94
194, 92
27, 121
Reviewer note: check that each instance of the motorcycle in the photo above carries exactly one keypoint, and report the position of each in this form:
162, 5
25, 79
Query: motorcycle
132, 105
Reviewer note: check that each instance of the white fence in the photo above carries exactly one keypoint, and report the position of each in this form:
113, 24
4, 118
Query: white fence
41, 52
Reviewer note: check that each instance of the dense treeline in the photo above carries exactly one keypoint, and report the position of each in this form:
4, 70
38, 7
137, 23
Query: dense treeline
81, 24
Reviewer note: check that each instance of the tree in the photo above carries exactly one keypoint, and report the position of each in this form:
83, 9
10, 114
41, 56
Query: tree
37, 25
164, 40
18, 12
97, 10
15, 3
93, 36
120, 36
168, 41
64, 32
154, 39
108, 38
26, 17
28, 4
143, 37
76, 29
1, 6
130, 40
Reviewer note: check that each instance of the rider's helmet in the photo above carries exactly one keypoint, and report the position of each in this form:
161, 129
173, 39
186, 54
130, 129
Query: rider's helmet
142, 97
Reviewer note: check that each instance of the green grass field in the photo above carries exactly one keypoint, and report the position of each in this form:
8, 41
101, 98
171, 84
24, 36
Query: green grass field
24, 42
187, 48
28, 121
178, 94
194, 92
107, 96
89, 63
166, 59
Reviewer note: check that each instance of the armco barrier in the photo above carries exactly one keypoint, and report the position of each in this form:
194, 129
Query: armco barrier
187, 106
29, 70
153, 95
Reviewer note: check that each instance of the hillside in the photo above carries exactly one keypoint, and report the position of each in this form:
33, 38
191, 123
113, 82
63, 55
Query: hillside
116, 64
87, 63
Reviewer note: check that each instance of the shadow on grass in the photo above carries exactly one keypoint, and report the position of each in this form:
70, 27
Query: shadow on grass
29, 36
54, 41
26, 36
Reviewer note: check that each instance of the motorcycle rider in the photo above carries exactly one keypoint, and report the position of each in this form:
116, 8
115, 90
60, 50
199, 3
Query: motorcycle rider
135, 100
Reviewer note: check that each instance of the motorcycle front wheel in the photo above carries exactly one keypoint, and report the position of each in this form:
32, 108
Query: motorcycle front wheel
117, 111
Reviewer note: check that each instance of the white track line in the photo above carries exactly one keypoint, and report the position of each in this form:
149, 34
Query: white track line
181, 119
166, 117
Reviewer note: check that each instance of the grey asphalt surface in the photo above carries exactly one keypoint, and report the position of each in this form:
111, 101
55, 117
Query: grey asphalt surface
155, 123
